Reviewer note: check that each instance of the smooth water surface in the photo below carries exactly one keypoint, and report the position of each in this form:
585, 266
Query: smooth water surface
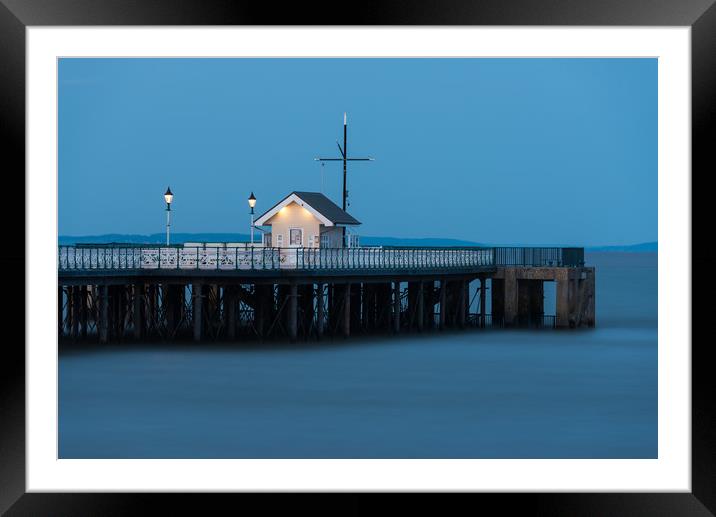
474, 394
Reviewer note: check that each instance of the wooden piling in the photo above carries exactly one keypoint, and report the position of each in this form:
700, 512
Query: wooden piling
461, 301
320, 310
83, 311
230, 299
483, 300
346, 326
137, 319
420, 309
60, 312
443, 303
197, 309
75, 332
396, 306
293, 312
103, 313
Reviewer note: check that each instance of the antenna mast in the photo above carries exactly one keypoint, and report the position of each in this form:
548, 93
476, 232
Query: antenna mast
345, 159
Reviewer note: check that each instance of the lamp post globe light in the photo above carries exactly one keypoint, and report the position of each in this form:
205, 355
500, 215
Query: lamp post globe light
168, 196
252, 204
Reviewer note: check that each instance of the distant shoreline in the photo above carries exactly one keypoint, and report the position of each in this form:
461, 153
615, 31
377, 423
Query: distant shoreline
159, 238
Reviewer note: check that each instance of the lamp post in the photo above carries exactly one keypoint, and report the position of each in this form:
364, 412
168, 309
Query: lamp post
168, 196
252, 204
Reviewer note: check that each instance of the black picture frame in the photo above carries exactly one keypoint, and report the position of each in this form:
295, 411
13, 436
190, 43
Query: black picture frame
700, 15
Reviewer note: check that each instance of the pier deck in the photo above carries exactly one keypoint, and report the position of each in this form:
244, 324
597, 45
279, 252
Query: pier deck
115, 292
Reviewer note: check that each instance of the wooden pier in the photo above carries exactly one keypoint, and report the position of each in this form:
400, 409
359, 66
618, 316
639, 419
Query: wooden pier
122, 293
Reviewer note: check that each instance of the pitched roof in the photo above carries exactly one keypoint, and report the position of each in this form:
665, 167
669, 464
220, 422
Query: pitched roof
331, 213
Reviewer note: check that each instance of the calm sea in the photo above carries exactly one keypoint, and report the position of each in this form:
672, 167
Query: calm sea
476, 394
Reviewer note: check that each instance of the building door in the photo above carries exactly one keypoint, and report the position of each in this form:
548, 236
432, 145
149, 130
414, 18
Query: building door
295, 239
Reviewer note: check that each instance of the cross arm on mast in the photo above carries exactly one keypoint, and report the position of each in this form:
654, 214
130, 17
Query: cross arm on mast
341, 159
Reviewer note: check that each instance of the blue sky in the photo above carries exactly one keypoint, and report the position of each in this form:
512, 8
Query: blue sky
498, 151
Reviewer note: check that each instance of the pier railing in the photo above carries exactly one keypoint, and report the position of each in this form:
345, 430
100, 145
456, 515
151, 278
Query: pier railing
119, 257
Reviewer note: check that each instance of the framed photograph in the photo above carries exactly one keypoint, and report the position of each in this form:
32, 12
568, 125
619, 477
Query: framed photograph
437, 250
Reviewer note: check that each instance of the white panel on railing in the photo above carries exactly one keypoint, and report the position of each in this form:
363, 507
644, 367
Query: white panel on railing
150, 258
168, 258
188, 258
207, 258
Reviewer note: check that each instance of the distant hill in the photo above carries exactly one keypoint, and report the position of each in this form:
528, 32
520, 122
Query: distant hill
644, 246
159, 238
155, 238
429, 241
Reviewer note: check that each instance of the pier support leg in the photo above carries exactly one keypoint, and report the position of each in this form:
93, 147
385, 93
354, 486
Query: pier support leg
197, 309
60, 312
523, 303
75, 312
346, 327
498, 301
84, 299
263, 308
462, 299
356, 295
384, 306
320, 310
230, 294
443, 303
562, 298
590, 293
483, 300
103, 313
511, 297
305, 310
420, 309
293, 312
137, 310
368, 307
536, 312
168, 308
396, 306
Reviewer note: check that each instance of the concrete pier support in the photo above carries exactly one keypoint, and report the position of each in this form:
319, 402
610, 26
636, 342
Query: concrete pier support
511, 302
498, 300
197, 293
530, 305
562, 299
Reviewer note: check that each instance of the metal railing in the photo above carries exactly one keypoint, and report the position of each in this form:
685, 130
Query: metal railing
132, 257
539, 257
232, 258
